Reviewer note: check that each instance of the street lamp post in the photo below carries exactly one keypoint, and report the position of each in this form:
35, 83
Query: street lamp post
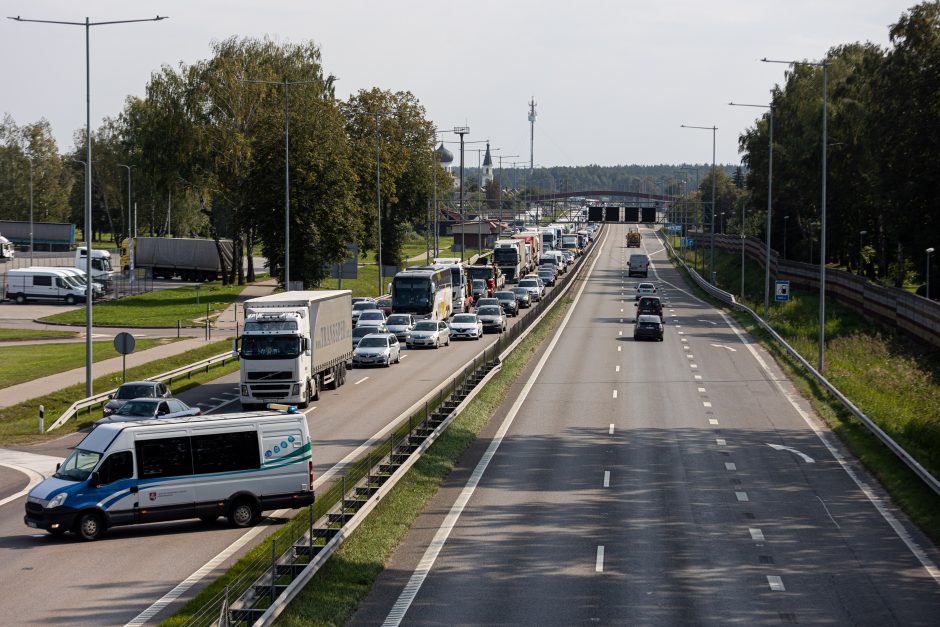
822, 232
286, 85
929, 252
130, 202
711, 262
770, 184
861, 235
462, 130
88, 301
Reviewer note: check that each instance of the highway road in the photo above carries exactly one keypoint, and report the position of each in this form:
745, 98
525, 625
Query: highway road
113, 580
657, 483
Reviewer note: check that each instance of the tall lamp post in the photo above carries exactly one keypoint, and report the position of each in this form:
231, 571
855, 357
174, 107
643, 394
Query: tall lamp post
711, 262
861, 235
88, 24
929, 252
462, 130
770, 187
130, 203
286, 85
822, 232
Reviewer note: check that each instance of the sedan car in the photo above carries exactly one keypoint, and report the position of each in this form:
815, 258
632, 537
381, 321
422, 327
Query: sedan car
547, 276
509, 303
466, 326
377, 349
135, 389
645, 289
400, 325
374, 318
522, 297
150, 408
358, 308
648, 327
534, 285
434, 333
492, 318
360, 332
489, 300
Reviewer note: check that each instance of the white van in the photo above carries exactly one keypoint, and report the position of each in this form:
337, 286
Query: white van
49, 284
101, 270
235, 465
639, 265
75, 277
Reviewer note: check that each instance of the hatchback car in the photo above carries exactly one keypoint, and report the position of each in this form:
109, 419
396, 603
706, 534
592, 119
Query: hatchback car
400, 325
549, 266
434, 333
522, 296
377, 349
648, 327
492, 318
509, 303
649, 305
534, 285
358, 308
645, 289
150, 408
466, 326
374, 318
135, 389
489, 300
547, 276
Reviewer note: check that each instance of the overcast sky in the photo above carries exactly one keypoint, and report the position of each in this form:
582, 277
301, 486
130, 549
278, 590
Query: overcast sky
613, 79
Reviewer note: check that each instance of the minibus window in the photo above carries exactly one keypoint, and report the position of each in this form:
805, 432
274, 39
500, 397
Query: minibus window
78, 465
116, 467
166, 457
225, 452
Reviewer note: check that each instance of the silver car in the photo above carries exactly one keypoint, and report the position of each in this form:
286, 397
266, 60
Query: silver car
374, 318
429, 333
466, 326
492, 318
358, 308
377, 349
135, 389
534, 285
400, 325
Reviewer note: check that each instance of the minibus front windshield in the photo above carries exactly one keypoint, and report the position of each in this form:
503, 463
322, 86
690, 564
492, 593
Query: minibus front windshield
78, 465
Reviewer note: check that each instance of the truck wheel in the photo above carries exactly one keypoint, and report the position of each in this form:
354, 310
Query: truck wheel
89, 526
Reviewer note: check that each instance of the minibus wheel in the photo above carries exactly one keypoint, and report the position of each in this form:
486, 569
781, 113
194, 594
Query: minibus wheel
89, 526
244, 513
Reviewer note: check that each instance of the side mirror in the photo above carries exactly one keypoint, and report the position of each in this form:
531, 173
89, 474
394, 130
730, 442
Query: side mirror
110, 397
94, 480
57, 466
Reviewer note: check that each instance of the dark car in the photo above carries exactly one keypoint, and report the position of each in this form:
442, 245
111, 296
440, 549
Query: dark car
135, 389
649, 305
493, 318
150, 408
547, 276
522, 296
509, 303
488, 300
385, 304
478, 289
648, 327
360, 332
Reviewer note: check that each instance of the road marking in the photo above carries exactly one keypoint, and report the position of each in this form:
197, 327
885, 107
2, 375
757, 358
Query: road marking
713, 421
692, 366
775, 583
202, 404
611, 430
690, 356
221, 400
228, 402
599, 562
682, 333
730, 466
756, 534
683, 339
618, 349
706, 403
741, 496
702, 390
733, 350
621, 320
403, 356
229, 394
686, 347
621, 310
708, 321
779, 447
720, 441
615, 393
619, 332
616, 368
33, 477
698, 377
360, 380
606, 478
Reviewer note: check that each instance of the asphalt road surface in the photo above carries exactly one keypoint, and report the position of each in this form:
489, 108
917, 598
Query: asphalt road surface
113, 580
647, 483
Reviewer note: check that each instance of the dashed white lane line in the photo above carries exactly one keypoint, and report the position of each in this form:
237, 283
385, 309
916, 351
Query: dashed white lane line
229, 394
690, 356
692, 366
702, 390
686, 347
360, 380
698, 377
221, 400
619, 332
621, 310
615, 393
611, 430
741, 496
730, 466
618, 349
599, 562
775, 583
721, 441
706, 404
606, 478
756, 534
713, 421
616, 368
403, 356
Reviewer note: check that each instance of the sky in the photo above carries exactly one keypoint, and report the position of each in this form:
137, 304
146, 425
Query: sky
613, 80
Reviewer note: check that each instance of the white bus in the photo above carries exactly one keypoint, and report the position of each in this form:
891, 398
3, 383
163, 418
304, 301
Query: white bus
424, 291
460, 284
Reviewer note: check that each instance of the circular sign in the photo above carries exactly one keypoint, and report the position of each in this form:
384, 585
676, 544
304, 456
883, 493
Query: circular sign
124, 343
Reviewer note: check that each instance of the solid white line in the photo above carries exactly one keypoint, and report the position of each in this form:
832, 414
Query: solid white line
756, 534
775, 583
599, 562
360, 380
606, 478
611, 430
33, 476
730, 466
615, 393
741, 496
410, 591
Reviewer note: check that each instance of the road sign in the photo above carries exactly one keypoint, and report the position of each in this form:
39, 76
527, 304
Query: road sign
124, 344
782, 291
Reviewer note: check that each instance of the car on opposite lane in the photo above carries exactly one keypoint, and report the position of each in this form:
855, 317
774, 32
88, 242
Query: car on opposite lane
466, 326
434, 333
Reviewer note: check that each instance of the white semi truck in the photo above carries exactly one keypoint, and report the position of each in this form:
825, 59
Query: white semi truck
293, 345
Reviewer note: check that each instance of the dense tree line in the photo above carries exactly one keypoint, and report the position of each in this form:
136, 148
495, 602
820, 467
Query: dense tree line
884, 137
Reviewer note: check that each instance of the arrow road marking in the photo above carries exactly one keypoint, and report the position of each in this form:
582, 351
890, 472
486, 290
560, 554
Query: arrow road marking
733, 350
779, 447
708, 321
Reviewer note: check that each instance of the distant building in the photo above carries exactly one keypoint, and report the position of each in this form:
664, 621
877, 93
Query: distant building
446, 159
486, 176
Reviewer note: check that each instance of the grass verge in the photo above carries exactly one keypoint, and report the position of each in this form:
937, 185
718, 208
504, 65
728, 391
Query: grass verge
891, 378
157, 309
32, 361
337, 589
19, 423
25, 335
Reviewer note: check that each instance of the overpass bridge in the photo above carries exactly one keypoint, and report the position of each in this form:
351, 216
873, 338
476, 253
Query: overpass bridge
639, 197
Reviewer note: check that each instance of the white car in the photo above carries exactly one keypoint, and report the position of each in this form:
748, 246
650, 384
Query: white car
377, 349
467, 326
434, 333
645, 289
534, 285
372, 318
359, 307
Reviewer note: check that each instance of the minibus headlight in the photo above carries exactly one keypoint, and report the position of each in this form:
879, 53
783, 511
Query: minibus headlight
57, 500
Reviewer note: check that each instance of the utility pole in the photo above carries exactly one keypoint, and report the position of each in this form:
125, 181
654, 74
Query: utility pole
462, 130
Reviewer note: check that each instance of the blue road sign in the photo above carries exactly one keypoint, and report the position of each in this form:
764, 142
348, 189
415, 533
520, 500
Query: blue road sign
781, 291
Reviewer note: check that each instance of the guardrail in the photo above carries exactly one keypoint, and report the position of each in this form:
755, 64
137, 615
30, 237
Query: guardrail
167, 377
877, 431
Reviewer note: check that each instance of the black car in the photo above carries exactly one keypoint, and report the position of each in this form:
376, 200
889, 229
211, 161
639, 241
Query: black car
547, 276
648, 327
135, 389
509, 303
649, 305
522, 297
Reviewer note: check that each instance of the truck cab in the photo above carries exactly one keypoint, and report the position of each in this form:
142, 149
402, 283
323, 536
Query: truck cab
101, 270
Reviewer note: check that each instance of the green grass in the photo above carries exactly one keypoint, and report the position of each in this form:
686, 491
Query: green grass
32, 361
19, 423
367, 284
24, 335
157, 309
893, 379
